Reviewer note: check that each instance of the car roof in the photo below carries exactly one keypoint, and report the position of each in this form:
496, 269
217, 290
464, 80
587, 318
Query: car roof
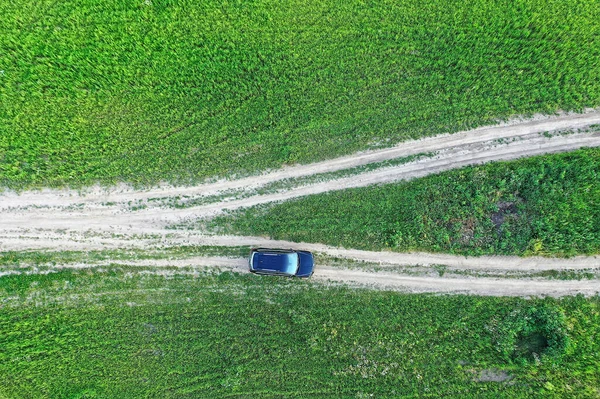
279, 250
286, 262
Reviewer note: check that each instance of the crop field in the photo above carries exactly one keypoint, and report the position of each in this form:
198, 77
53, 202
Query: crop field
546, 205
163, 90
132, 333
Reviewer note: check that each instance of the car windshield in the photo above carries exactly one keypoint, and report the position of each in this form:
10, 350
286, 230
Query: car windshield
282, 262
290, 265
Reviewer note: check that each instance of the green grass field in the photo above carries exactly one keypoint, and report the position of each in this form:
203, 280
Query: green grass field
144, 91
546, 205
123, 333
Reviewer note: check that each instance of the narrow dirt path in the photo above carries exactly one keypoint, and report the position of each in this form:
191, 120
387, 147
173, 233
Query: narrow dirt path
476, 286
103, 218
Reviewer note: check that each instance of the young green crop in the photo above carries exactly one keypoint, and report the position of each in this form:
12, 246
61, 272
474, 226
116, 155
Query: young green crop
132, 333
144, 91
546, 205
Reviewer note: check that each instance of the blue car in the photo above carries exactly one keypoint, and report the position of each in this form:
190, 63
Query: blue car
281, 262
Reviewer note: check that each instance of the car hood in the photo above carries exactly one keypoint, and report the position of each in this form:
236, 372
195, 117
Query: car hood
307, 265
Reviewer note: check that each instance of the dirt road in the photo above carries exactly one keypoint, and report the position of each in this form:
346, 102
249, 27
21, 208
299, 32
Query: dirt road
105, 218
381, 279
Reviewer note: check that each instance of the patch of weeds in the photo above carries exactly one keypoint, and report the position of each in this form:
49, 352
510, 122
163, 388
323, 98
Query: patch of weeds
440, 269
138, 207
530, 333
566, 274
566, 132
505, 209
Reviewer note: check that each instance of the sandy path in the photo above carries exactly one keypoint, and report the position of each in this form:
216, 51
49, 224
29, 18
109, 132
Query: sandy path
53, 220
477, 286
